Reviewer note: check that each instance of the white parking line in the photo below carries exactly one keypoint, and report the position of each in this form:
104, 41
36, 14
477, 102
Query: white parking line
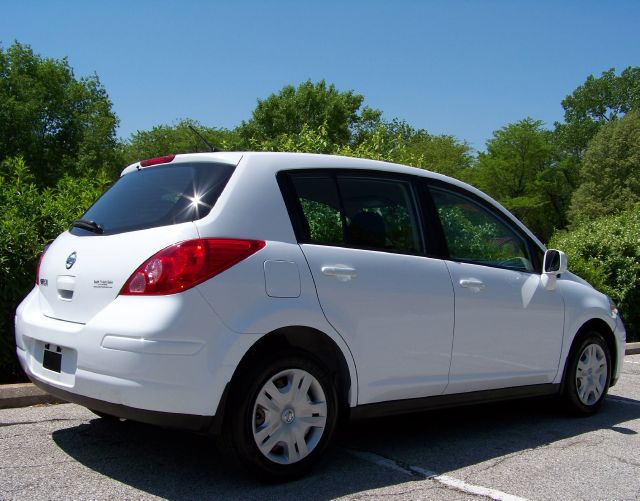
446, 480
630, 362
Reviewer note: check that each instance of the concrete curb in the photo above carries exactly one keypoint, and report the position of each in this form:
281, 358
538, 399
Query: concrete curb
26, 394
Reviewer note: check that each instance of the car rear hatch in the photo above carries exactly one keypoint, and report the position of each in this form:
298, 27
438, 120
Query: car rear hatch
146, 210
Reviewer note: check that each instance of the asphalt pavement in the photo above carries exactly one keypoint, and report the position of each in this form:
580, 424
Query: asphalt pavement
517, 450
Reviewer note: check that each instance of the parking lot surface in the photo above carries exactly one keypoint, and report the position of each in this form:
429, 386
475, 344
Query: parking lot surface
516, 450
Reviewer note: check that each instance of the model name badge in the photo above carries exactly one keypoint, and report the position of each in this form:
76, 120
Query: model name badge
103, 284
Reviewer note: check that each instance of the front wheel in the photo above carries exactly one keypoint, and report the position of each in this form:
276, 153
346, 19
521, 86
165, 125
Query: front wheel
588, 374
283, 417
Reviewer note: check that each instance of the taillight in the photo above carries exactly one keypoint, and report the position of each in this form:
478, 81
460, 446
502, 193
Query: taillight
157, 160
186, 264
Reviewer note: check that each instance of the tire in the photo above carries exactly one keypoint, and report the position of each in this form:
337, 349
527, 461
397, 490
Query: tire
588, 374
282, 416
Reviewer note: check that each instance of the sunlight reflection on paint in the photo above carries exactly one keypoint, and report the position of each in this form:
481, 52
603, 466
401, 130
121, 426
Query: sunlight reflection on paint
529, 288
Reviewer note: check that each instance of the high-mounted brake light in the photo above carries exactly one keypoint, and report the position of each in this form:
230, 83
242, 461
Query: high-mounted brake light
157, 160
186, 264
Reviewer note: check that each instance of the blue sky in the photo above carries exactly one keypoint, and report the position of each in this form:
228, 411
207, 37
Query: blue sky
463, 68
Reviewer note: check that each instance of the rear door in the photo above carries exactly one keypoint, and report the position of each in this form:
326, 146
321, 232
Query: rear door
361, 235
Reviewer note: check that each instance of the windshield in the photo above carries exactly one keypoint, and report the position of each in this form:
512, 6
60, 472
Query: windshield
157, 196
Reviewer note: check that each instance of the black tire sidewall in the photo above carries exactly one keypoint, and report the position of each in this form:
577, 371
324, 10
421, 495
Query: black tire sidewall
241, 421
571, 393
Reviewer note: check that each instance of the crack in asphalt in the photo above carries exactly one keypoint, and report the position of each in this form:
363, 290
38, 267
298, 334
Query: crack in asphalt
366, 495
628, 462
18, 423
581, 441
22, 466
500, 461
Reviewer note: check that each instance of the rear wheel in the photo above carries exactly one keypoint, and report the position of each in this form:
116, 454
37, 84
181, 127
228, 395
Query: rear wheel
588, 374
282, 417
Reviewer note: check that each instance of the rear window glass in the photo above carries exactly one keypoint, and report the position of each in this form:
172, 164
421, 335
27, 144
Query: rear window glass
158, 196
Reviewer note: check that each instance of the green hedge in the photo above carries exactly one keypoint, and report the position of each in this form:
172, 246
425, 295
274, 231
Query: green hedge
29, 217
606, 253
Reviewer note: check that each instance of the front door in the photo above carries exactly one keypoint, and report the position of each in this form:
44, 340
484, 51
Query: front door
508, 327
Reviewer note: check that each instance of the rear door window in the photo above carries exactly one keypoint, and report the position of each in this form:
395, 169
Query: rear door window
158, 196
358, 210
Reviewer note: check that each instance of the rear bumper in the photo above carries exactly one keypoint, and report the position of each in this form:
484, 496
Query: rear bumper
162, 360
202, 424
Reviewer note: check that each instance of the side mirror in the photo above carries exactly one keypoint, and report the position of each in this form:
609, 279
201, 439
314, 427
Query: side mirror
555, 263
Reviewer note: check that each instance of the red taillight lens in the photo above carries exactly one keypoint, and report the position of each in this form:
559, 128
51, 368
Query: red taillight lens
157, 160
186, 264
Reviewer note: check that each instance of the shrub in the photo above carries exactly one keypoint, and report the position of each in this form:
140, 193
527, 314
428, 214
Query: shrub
606, 253
29, 217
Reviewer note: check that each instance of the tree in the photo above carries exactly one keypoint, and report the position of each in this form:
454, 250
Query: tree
520, 170
595, 103
610, 173
56, 122
178, 138
310, 104
439, 153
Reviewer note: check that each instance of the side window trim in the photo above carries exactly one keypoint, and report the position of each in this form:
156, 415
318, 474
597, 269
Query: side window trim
343, 218
529, 245
301, 227
436, 244
294, 208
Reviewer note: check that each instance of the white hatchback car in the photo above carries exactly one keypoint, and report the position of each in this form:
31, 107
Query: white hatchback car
261, 296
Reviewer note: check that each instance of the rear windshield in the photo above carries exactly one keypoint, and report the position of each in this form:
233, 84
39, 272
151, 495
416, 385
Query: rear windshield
158, 196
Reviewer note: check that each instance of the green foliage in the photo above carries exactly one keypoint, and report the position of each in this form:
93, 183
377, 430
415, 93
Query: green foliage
520, 170
606, 253
312, 105
610, 171
596, 102
179, 138
390, 142
57, 123
29, 217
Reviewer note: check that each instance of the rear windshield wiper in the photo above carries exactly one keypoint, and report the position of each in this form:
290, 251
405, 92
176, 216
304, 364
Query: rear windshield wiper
87, 224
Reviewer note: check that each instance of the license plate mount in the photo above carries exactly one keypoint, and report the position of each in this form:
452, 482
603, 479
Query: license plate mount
52, 358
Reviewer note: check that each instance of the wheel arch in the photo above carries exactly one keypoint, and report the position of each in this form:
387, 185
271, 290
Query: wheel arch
315, 344
600, 326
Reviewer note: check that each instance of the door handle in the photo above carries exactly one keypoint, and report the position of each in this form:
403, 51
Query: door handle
472, 283
341, 272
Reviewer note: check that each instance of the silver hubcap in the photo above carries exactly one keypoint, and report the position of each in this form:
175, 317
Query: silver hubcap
289, 416
591, 374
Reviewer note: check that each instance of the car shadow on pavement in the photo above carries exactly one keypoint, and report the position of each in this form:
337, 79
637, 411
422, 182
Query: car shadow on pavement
177, 465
